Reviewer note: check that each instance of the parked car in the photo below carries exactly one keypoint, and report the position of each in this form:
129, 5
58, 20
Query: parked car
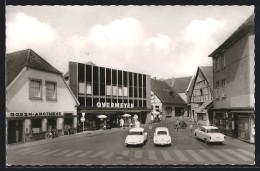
162, 136
209, 134
136, 136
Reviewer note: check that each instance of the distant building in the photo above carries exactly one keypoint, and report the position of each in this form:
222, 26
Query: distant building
200, 94
233, 73
37, 98
166, 101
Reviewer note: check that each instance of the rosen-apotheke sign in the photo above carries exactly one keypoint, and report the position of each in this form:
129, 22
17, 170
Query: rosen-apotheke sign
32, 114
115, 105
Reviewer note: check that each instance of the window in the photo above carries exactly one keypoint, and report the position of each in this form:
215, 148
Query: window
81, 88
89, 89
109, 90
120, 91
114, 90
36, 125
51, 91
223, 62
217, 84
223, 88
125, 91
217, 63
35, 91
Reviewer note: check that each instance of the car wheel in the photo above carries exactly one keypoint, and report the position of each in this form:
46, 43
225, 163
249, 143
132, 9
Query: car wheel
170, 145
206, 141
126, 145
195, 135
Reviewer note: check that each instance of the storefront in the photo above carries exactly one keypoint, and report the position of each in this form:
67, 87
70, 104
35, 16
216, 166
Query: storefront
239, 124
37, 99
32, 126
108, 92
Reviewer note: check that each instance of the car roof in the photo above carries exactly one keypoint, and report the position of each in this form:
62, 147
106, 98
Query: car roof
136, 130
209, 127
161, 129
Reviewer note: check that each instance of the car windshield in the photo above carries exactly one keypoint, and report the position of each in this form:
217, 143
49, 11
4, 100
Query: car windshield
162, 133
212, 131
136, 133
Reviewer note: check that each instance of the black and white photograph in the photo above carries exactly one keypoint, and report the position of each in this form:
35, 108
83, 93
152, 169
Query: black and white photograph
130, 85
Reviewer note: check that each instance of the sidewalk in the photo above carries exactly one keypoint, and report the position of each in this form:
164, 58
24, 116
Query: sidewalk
62, 138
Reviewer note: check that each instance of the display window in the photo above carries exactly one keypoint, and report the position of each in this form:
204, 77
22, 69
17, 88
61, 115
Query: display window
36, 126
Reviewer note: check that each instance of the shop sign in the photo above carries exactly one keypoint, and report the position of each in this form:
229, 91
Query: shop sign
32, 114
115, 105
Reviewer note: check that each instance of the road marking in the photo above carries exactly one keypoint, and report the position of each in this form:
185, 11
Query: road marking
195, 155
166, 156
246, 152
238, 155
30, 151
138, 154
51, 152
180, 155
210, 156
39, 152
151, 155
73, 153
84, 154
108, 156
97, 154
125, 153
61, 153
227, 157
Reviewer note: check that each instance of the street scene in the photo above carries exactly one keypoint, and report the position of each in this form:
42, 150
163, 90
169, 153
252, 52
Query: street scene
131, 85
90, 149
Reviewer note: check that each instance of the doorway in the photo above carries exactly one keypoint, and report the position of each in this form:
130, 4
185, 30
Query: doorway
15, 130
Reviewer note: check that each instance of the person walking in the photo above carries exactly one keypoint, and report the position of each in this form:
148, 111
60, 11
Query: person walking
191, 128
177, 125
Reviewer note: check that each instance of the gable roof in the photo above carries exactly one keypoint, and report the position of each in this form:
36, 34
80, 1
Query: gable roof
180, 85
165, 93
207, 71
16, 61
246, 27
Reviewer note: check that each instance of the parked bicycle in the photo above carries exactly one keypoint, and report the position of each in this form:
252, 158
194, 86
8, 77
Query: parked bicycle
52, 134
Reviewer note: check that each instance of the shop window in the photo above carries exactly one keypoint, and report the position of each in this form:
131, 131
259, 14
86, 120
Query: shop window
51, 123
120, 100
130, 91
95, 89
120, 91
135, 79
102, 75
114, 100
36, 125
35, 91
82, 101
102, 89
108, 90
135, 103
108, 100
51, 90
135, 91
144, 92
89, 88
81, 72
130, 101
125, 91
144, 80
140, 80
144, 103
95, 101
95, 74
125, 101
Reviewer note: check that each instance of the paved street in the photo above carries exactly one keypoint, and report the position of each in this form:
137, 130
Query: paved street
106, 147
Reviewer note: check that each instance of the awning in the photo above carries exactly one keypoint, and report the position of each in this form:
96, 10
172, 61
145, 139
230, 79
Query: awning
204, 107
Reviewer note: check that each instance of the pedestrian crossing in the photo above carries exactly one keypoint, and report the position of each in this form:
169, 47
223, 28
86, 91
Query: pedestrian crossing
217, 156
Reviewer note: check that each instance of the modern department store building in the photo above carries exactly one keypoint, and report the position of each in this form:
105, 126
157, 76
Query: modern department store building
109, 92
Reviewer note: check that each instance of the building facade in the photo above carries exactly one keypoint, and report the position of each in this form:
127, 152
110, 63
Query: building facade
166, 101
37, 98
201, 96
109, 92
233, 73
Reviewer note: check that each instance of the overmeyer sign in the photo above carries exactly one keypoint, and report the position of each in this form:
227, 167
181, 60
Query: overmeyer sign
115, 105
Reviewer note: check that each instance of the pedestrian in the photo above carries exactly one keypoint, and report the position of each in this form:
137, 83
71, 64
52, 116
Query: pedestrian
122, 123
177, 125
191, 128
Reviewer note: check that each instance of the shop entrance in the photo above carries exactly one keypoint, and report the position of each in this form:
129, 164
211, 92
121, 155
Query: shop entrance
243, 127
51, 123
15, 128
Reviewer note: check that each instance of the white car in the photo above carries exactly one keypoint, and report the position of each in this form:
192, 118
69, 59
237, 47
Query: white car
136, 136
209, 134
162, 136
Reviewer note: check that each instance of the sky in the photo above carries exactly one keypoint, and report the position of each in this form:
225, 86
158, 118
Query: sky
161, 41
